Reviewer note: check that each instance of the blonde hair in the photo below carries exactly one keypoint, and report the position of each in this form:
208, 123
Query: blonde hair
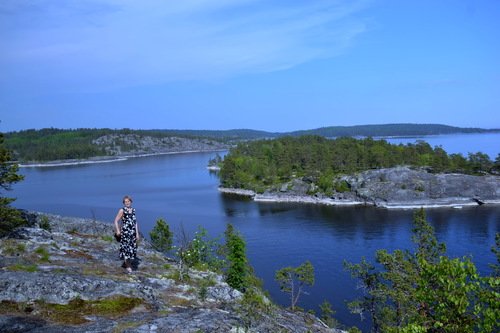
127, 197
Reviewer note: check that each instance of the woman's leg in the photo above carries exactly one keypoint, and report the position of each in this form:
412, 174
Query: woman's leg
128, 265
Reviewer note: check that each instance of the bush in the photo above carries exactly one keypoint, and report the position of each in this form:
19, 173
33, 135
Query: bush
201, 252
342, 186
161, 236
44, 223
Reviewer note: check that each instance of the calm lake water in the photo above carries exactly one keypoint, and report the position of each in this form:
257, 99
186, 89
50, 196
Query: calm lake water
180, 189
488, 143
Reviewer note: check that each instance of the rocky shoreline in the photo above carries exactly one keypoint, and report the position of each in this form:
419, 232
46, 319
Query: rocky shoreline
69, 279
392, 188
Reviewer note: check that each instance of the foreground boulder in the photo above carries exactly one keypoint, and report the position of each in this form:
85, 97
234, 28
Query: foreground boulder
69, 279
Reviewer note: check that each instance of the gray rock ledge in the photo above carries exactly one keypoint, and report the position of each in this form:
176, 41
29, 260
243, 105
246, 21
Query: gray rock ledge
78, 260
395, 188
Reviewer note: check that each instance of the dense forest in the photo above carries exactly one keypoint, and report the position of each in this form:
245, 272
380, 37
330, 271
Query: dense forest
257, 165
53, 144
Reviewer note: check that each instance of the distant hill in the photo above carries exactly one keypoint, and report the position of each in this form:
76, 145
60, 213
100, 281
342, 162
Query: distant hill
234, 134
390, 130
50, 144
335, 131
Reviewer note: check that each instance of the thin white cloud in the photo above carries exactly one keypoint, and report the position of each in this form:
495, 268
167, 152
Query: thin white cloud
108, 43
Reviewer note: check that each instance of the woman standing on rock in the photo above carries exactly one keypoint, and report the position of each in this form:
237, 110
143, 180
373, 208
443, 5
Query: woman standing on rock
128, 233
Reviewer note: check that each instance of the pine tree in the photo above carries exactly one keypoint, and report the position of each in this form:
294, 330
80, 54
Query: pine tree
293, 280
9, 217
237, 273
161, 236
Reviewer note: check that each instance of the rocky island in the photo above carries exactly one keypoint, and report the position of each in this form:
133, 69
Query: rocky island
398, 187
350, 171
67, 278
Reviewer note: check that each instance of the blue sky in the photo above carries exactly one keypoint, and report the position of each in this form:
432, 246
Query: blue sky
267, 65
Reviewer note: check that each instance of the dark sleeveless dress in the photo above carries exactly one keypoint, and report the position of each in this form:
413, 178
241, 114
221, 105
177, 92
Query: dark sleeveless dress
128, 242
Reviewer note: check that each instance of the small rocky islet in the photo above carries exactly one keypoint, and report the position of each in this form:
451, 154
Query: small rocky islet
69, 279
397, 187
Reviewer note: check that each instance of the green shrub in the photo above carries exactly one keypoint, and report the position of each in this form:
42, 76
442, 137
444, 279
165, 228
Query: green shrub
204, 284
161, 236
44, 223
342, 186
202, 252
44, 254
252, 307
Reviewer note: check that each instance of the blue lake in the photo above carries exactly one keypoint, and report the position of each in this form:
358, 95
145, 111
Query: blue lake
488, 143
180, 189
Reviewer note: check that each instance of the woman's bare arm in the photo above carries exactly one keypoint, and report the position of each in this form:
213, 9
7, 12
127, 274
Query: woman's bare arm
117, 218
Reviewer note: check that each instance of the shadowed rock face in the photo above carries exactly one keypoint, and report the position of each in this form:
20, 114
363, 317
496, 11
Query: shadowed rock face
44, 274
395, 187
403, 186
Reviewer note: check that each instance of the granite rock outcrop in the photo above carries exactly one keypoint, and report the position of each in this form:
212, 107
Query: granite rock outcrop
70, 279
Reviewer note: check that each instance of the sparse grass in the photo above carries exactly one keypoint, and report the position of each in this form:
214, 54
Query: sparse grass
23, 268
11, 307
78, 254
253, 306
156, 259
419, 187
8, 307
203, 285
107, 238
309, 318
179, 301
177, 277
43, 253
20, 247
13, 248
75, 311
202, 267
207, 281
126, 325
97, 271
